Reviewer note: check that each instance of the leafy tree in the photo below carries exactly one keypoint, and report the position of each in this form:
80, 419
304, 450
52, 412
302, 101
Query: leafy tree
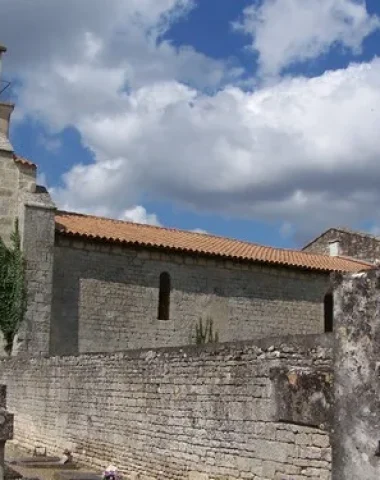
12, 288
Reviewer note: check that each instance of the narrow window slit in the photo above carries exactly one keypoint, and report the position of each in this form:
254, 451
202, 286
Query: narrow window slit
329, 312
164, 297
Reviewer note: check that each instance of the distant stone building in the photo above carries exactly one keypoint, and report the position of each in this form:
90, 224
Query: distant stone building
346, 243
101, 285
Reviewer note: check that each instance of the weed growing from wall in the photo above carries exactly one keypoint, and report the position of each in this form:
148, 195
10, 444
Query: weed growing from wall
12, 288
205, 334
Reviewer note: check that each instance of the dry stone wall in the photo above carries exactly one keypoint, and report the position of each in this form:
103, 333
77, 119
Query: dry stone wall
105, 299
174, 413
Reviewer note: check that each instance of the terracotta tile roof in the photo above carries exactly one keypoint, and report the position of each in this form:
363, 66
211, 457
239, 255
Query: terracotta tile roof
24, 161
104, 229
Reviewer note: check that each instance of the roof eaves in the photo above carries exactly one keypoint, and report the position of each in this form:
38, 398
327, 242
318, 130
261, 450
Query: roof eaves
24, 161
189, 251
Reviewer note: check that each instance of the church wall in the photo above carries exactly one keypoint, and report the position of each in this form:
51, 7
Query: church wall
105, 299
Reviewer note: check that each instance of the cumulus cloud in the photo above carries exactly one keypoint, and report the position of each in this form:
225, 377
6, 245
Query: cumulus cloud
302, 152
138, 214
51, 144
89, 50
285, 32
295, 152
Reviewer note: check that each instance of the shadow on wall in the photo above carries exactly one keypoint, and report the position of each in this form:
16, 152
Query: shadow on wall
141, 298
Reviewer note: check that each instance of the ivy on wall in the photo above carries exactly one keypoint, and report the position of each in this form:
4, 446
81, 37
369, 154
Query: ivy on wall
12, 288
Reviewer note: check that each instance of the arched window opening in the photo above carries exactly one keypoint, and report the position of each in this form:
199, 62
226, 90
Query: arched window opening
329, 312
164, 297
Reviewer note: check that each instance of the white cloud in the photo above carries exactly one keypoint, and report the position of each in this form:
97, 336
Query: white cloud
287, 230
138, 214
85, 53
49, 143
303, 152
41, 179
285, 32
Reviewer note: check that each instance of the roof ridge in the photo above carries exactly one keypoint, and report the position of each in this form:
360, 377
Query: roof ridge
171, 229
127, 232
158, 227
357, 232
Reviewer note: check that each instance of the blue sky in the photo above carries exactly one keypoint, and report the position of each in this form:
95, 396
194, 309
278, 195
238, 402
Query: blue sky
251, 119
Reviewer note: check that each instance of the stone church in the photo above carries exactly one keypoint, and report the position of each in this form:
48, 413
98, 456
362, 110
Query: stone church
101, 285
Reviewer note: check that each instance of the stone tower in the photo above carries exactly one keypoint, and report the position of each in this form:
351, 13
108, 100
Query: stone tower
31, 205
16, 174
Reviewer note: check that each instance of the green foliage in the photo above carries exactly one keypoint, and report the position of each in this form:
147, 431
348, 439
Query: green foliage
205, 334
12, 288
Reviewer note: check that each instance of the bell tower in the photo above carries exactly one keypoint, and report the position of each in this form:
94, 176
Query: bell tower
32, 206
9, 175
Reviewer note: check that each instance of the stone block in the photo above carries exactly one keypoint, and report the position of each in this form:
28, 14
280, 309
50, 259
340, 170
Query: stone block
75, 475
198, 476
303, 396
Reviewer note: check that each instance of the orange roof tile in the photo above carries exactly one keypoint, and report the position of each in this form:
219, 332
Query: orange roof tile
24, 161
108, 230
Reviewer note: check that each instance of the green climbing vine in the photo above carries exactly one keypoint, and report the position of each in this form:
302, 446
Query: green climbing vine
12, 288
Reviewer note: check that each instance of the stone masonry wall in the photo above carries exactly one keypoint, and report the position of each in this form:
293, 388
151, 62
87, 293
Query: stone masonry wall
9, 178
357, 381
105, 299
15, 179
167, 413
352, 244
37, 225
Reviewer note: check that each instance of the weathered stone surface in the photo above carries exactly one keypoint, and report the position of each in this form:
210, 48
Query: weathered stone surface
21, 200
304, 396
164, 413
30, 460
357, 383
8, 194
44, 465
6, 425
74, 475
37, 227
105, 299
11, 474
363, 246
198, 476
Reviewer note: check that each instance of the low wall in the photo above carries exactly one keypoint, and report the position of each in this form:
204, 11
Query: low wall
170, 412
